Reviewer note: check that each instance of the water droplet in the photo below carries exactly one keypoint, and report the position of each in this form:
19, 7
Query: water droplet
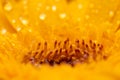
23, 21
111, 13
80, 6
25, 2
7, 6
3, 31
18, 28
42, 16
47, 7
54, 8
30, 30
62, 15
13, 21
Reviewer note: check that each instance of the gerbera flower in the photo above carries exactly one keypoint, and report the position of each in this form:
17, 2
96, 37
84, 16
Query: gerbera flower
59, 39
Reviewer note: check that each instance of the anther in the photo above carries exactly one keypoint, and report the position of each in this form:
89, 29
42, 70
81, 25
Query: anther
38, 47
77, 43
45, 46
83, 42
55, 44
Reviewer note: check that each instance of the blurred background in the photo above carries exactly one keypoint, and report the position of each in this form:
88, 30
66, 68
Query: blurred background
58, 19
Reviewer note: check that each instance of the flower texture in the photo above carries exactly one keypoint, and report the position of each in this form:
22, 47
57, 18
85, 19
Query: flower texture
59, 39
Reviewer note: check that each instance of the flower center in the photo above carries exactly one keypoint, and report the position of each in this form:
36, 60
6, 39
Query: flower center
66, 52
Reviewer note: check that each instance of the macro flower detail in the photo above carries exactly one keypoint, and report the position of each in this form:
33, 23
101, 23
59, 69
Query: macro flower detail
65, 52
59, 40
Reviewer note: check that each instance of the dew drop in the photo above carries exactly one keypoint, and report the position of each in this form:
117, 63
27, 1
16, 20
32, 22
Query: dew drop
62, 15
25, 2
42, 16
13, 21
18, 28
47, 7
23, 21
30, 30
3, 31
80, 6
8, 6
53, 8
111, 13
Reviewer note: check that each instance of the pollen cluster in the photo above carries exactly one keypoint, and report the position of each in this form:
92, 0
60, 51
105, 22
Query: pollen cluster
66, 52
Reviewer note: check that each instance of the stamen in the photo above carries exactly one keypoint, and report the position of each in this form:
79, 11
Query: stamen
69, 53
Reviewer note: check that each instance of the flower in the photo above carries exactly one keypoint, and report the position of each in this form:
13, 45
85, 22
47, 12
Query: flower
29, 28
